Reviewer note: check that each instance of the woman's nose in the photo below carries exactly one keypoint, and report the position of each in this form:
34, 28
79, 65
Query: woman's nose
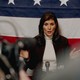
49, 27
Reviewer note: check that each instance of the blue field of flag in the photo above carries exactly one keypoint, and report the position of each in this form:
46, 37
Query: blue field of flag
35, 8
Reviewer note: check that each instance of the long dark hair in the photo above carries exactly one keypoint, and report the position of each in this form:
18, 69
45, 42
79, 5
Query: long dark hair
47, 16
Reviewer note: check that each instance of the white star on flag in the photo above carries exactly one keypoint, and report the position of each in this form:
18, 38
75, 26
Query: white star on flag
11, 1
63, 2
37, 2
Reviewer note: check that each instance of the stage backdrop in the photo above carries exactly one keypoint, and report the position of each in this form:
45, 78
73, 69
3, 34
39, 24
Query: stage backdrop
20, 18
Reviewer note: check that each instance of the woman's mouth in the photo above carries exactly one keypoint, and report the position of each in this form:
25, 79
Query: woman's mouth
49, 32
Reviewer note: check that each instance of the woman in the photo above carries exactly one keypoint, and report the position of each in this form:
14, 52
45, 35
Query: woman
52, 49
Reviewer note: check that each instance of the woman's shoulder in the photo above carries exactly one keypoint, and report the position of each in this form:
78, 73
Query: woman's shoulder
37, 36
63, 38
39, 40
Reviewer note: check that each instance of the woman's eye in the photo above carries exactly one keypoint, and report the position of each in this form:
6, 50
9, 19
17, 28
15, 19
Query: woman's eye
52, 24
45, 24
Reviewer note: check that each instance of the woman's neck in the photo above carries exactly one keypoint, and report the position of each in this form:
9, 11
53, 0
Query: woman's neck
47, 37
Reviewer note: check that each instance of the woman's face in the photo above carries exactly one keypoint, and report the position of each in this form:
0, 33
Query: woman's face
49, 27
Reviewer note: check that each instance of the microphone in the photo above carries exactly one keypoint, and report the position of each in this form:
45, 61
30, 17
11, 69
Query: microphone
47, 65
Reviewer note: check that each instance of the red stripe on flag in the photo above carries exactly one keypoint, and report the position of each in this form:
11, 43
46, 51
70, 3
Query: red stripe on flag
10, 39
73, 42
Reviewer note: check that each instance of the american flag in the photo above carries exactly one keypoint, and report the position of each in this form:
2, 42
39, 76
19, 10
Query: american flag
20, 18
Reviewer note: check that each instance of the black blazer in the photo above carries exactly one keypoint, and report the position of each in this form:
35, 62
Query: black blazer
61, 47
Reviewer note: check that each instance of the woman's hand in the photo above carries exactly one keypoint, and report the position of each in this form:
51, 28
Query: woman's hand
75, 53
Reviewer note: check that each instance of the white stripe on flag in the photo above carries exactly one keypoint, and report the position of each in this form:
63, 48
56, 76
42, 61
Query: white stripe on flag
28, 27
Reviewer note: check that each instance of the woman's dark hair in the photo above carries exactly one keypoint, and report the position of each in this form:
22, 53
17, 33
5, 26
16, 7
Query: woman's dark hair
47, 16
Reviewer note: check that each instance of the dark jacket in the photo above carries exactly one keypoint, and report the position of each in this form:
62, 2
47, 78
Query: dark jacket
61, 47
